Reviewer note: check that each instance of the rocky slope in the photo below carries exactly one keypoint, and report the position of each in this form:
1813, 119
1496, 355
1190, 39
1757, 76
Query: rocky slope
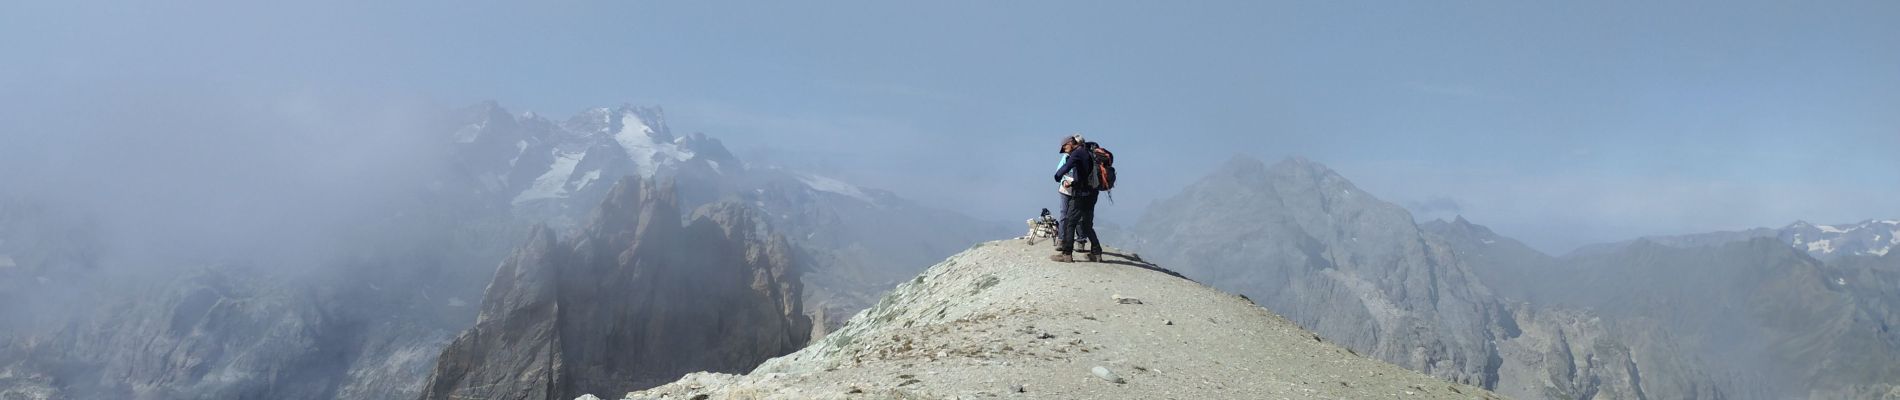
1000, 320
635, 297
1304, 241
1501, 263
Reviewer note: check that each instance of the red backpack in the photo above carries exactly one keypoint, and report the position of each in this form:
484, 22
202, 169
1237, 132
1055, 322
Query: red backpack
1104, 178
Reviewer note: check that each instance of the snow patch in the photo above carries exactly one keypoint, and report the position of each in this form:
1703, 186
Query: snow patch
521, 147
1840, 281
590, 177
824, 184
552, 184
1821, 246
1487, 241
470, 132
1830, 229
636, 137
1880, 251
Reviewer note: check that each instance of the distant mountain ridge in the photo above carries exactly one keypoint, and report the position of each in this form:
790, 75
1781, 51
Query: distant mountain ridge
1305, 242
1767, 319
1826, 242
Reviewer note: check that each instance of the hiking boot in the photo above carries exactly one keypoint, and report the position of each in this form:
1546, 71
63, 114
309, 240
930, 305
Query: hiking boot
1062, 257
1095, 257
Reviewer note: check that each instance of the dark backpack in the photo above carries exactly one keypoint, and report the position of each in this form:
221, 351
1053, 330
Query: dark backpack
1104, 175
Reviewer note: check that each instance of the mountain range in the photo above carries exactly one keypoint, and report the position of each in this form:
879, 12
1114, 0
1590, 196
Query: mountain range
544, 259
1724, 315
378, 303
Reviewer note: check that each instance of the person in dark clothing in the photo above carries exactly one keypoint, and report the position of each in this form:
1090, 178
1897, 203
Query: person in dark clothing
1078, 210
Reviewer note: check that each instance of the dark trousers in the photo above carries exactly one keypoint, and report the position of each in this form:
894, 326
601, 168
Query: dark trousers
1078, 218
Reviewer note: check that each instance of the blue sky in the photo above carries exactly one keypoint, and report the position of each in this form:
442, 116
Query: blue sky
1558, 123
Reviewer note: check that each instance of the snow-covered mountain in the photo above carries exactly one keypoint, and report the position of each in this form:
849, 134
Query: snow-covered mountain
547, 172
1871, 237
535, 165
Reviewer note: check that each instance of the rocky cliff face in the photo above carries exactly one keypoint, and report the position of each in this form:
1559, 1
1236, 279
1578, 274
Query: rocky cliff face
635, 297
1503, 264
1002, 321
1562, 353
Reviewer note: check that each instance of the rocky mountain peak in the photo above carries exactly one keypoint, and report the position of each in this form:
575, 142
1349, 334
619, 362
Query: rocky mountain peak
735, 220
1299, 163
634, 297
1000, 320
1304, 241
1242, 165
634, 205
487, 122
1460, 220
1459, 227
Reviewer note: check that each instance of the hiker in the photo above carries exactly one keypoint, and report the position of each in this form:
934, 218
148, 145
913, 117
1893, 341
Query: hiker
1063, 189
1078, 189
1062, 186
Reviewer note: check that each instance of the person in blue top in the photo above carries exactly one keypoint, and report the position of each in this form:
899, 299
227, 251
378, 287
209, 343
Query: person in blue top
1078, 195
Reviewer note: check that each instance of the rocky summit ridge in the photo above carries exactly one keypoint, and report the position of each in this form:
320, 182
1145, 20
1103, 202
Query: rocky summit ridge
634, 297
1000, 320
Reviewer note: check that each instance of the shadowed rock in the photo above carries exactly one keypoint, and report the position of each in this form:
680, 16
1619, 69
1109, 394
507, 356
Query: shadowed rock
634, 297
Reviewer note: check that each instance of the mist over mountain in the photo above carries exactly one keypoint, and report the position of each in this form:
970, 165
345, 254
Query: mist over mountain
1536, 200
354, 292
385, 298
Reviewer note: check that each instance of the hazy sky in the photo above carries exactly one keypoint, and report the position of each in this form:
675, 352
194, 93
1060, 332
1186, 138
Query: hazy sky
1559, 124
